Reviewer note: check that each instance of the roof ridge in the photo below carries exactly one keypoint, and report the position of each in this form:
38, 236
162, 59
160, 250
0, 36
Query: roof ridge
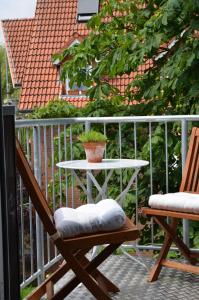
18, 19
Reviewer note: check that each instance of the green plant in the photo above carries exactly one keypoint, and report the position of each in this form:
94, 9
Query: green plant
92, 136
26, 291
64, 151
125, 35
57, 108
5, 74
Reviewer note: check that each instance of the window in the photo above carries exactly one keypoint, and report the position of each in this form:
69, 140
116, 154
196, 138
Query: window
75, 89
86, 9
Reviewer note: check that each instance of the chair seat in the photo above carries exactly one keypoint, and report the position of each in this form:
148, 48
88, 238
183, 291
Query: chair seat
128, 232
181, 202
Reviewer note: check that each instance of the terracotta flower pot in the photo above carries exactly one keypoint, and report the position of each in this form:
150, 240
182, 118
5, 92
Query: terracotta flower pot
94, 151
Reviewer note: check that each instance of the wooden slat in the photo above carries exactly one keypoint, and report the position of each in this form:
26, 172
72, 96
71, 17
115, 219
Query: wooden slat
197, 132
186, 172
193, 164
34, 190
181, 266
169, 213
196, 174
49, 290
156, 269
197, 187
103, 281
179, 243
194, 254
90, 268
128, 233
54, 277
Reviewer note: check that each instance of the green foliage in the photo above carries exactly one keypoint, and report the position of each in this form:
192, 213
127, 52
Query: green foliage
55, 109
12, 92
92, 136
63, 151
104, 108
26, 291
125, 35
3, 70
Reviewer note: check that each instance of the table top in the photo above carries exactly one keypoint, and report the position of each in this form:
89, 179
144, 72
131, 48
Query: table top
106, 164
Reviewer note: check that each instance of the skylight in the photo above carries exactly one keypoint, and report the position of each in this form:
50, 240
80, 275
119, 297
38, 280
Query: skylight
86, 9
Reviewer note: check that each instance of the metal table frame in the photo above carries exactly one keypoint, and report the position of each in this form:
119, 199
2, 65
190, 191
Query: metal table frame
106, 164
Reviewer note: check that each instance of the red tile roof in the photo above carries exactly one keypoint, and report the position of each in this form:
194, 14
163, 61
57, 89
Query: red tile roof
121, 82
17, 35
78, 101
30, 44
54, 23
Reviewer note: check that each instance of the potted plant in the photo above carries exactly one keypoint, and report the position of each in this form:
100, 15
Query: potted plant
94, 144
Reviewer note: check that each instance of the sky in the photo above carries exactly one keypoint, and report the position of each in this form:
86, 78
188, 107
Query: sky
12, 9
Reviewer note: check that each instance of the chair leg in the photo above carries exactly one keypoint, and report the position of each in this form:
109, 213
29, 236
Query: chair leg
83, 274
102, 280
41, 290
155, 271
49, 290
46, 286
84, 277
179, 243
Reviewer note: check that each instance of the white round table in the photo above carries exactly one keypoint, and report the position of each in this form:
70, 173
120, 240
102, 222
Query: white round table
106, 164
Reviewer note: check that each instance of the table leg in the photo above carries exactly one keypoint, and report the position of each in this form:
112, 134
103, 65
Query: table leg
86, 191
125, 191
89, 186
101, 190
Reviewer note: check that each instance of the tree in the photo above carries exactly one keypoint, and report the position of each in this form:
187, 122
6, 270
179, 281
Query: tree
3, 70
12, 92
125, 35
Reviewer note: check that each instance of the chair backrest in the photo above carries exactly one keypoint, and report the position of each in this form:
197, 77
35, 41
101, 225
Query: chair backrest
190, 176
34, 191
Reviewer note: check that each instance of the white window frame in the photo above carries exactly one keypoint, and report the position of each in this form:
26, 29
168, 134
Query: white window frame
86, 9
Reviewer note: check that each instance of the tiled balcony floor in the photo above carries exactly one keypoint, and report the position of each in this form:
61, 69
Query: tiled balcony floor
131, 278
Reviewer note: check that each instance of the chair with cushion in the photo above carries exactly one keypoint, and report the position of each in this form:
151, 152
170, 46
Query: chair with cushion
182, 205
71, 230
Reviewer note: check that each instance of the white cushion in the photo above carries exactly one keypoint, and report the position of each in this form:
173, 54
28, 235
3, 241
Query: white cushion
106, 215
183, 202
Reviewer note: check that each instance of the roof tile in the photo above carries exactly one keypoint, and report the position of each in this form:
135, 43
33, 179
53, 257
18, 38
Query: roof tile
17, 35
30, 44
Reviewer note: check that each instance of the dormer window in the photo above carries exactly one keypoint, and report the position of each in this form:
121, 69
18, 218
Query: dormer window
67, 89
86, 9
75, 89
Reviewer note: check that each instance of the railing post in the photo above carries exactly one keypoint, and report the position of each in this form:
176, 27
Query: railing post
184, 140
39, 226
88, 180
1, 258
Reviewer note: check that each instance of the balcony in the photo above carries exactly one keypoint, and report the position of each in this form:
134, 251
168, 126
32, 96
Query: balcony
47, 142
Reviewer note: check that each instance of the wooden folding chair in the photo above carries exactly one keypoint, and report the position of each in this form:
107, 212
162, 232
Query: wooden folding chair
73, 250
189, 183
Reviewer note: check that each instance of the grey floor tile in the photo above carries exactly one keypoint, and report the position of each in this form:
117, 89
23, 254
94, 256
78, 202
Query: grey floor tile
131, 278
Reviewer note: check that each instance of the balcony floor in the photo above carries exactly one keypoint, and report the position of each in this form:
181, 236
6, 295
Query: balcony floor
131, 277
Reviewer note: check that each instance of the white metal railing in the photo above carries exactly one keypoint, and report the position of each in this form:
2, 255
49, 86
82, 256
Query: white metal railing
38, 138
